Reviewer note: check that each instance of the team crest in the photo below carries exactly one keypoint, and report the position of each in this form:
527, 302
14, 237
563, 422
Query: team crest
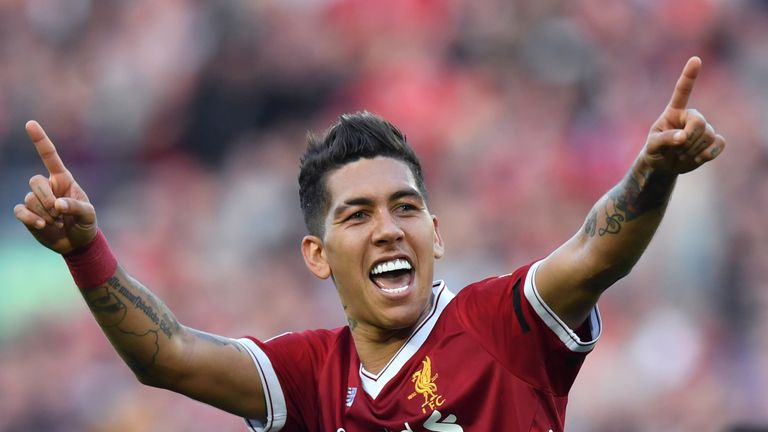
425, 386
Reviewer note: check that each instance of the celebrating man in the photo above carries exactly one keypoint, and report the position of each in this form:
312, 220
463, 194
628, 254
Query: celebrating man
501, 354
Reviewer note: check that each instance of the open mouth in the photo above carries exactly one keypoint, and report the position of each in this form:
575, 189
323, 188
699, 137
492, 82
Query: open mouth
393, 276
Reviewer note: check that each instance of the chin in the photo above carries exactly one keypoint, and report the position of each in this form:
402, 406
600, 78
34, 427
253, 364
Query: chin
402, 319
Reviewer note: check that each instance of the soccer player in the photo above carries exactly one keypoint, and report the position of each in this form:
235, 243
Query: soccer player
501, 354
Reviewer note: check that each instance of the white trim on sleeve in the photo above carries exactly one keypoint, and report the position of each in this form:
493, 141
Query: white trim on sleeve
565, 333
277, 411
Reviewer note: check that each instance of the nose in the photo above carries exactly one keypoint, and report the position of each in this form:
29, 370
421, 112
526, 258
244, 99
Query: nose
386, 229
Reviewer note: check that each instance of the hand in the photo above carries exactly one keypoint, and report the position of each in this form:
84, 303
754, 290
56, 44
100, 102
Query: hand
57, 211
681, 140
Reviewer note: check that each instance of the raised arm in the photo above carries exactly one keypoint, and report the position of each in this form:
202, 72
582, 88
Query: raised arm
159, 350
622, 223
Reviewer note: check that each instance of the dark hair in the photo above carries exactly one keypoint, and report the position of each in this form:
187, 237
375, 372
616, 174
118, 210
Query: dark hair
361, 135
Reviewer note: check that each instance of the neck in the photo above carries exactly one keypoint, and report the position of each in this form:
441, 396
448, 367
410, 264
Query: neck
376, 348
376, 345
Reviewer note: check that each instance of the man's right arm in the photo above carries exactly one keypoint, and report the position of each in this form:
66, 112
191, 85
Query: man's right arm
163, 353
160, 351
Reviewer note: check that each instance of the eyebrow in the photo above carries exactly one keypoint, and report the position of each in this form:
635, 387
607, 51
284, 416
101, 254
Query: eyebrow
406, 193
365, 201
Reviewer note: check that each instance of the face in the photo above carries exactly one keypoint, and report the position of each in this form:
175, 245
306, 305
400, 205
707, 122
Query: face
379, 246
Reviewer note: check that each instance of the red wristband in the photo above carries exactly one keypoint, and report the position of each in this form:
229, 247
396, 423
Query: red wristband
92, 265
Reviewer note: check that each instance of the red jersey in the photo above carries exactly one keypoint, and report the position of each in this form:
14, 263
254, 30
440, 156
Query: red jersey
494, 357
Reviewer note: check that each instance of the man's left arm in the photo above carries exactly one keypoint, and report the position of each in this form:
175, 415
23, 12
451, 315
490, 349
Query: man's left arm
622, 223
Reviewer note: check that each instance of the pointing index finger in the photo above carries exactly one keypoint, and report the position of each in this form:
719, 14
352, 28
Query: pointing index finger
684, 85
45, 148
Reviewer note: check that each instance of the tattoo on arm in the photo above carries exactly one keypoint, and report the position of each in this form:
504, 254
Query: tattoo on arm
612, 223
166, 323
591, 224
636, 195
111, 312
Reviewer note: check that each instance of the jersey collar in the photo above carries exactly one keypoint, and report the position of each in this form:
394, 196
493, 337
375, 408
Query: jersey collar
373, 383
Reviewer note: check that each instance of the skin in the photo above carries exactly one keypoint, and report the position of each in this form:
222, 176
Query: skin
622, 223
145, 333
376, 213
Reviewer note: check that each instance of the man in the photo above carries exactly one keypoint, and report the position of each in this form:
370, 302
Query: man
500, 355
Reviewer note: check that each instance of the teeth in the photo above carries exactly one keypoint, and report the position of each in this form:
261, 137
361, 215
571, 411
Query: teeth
395, 290
395, 264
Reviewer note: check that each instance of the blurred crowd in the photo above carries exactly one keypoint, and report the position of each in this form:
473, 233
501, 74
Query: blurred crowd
184, 121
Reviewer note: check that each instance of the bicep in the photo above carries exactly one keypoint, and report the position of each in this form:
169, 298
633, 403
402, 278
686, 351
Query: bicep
570, 281
220, 372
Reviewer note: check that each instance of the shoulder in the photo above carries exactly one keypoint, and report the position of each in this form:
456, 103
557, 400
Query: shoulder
494, 301
315, 338
313, 334
297, 356
496, 285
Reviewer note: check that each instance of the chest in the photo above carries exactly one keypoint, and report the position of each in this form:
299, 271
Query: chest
452, 385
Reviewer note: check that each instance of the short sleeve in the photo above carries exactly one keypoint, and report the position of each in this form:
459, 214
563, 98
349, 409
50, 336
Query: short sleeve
509, 319
287, 366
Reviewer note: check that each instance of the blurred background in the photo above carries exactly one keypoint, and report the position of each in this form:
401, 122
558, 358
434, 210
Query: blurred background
184, 121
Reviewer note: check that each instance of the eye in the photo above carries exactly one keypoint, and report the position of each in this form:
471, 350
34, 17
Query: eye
405, 208
358, 215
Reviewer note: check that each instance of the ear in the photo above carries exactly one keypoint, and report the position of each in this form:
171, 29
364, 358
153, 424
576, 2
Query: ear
314, 256
438, 247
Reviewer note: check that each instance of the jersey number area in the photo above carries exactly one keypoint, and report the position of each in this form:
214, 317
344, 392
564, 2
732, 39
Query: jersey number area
435, 423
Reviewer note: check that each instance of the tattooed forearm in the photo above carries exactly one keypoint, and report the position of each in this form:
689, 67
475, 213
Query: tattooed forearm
639, 193
133, 319
111, 313
612, 223
166, 323
109, 310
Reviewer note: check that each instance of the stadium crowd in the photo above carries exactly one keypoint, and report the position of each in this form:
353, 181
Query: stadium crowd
184, 121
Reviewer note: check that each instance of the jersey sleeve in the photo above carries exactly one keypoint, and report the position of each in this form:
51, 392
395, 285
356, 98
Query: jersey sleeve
508, 317
287, 366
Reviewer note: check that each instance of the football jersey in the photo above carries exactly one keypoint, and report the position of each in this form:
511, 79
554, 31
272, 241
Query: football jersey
493, 357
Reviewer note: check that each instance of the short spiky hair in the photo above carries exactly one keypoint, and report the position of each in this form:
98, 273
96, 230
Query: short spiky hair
361, 135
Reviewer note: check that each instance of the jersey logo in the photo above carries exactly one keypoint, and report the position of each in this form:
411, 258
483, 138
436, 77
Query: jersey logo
436, 424
351, 393
425, 386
